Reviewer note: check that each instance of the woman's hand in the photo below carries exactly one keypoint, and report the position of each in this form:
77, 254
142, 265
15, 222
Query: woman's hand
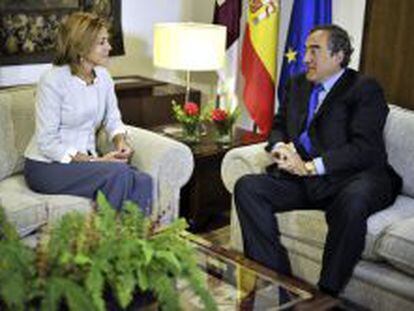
124, 151
112, 156
81, 157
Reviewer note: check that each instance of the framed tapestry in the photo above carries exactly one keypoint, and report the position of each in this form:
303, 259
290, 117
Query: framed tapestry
28, 27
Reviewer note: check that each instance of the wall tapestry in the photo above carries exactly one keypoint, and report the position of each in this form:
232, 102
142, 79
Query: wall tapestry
28, 27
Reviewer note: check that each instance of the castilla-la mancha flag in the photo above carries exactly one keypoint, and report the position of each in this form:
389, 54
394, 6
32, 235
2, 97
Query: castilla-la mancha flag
228, 13
258, 61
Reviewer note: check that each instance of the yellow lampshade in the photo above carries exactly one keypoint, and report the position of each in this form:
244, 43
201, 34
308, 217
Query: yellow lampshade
189, 46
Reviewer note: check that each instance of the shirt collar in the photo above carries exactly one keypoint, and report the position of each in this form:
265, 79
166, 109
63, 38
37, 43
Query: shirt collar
330, 82
95, 80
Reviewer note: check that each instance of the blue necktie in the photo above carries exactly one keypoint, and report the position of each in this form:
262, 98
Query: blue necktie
313, 103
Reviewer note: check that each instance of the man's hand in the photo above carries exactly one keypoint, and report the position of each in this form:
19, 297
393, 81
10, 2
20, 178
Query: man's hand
280, 153
287, 159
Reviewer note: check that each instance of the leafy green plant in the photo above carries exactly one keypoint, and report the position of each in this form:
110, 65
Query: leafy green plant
224, 119
16, 266
82, 258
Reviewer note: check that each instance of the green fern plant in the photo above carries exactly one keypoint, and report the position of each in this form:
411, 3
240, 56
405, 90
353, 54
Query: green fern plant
82, 258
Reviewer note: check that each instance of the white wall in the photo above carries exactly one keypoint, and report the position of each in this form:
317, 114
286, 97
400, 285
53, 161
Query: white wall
138, 20
139, 16
350, 15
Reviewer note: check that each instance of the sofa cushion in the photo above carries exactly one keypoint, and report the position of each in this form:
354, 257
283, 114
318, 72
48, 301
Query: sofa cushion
19, 105
379, 286
58, 205
30, 210
399, 140
379, 223
24, 211
310, 226
294, 246
8, 154
23, 114
397, 245
306, 226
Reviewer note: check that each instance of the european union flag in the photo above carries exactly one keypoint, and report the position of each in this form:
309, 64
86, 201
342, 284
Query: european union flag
305, 15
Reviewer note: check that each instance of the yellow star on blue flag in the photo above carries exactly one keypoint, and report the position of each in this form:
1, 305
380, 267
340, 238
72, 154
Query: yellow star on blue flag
291, 55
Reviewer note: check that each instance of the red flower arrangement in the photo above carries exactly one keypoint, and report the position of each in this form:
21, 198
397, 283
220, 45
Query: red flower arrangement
191, 109
223, 119
189, 117
219, 115
189, 113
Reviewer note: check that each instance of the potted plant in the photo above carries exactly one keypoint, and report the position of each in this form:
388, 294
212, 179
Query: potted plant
97, 261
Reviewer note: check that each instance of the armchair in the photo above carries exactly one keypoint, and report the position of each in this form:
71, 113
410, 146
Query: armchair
384, 277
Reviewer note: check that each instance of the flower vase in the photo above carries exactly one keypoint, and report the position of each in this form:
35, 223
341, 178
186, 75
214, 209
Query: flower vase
224, 133
191, 132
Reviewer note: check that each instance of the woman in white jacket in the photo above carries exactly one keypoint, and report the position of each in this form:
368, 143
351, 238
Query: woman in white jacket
74, 99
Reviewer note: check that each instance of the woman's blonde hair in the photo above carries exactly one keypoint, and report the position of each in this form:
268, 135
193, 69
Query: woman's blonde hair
75, 39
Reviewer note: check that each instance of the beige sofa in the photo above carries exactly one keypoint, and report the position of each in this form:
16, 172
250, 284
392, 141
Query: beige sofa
384, 277
169, 162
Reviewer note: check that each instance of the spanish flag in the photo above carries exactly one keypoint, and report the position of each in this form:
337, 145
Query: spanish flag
258, 61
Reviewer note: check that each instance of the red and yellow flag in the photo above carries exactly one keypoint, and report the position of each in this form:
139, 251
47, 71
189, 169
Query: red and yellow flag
258, 61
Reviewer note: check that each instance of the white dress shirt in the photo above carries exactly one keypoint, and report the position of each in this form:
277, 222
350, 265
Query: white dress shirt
69, 112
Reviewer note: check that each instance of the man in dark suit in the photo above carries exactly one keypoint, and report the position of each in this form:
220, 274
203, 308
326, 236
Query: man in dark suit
329, 154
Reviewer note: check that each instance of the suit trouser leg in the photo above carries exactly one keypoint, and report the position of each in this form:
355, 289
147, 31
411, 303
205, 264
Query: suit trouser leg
346, 216
257, 199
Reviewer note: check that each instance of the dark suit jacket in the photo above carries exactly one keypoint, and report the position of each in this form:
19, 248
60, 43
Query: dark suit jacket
346, 131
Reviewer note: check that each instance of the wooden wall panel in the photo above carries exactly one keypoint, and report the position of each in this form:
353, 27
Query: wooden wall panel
388, 48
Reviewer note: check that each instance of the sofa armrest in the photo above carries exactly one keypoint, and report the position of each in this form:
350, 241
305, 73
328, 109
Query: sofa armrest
240, 161
169, 162
161, 156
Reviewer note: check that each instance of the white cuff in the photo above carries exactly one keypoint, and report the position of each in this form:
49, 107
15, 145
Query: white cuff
319, 166
67, 157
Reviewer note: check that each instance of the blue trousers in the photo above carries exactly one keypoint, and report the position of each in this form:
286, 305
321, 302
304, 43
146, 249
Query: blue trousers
118, 181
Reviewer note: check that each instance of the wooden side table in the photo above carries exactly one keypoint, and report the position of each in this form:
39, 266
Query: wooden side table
146, 103
205, 202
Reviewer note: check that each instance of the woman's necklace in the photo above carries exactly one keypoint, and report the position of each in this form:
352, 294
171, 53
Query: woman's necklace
87, 77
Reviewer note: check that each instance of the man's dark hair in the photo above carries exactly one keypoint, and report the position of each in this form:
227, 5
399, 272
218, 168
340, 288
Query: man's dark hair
338, 41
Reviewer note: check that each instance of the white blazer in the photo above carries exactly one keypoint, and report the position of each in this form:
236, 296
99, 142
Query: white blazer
69, 112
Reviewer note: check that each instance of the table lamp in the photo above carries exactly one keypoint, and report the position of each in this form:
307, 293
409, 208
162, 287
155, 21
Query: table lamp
189, 47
